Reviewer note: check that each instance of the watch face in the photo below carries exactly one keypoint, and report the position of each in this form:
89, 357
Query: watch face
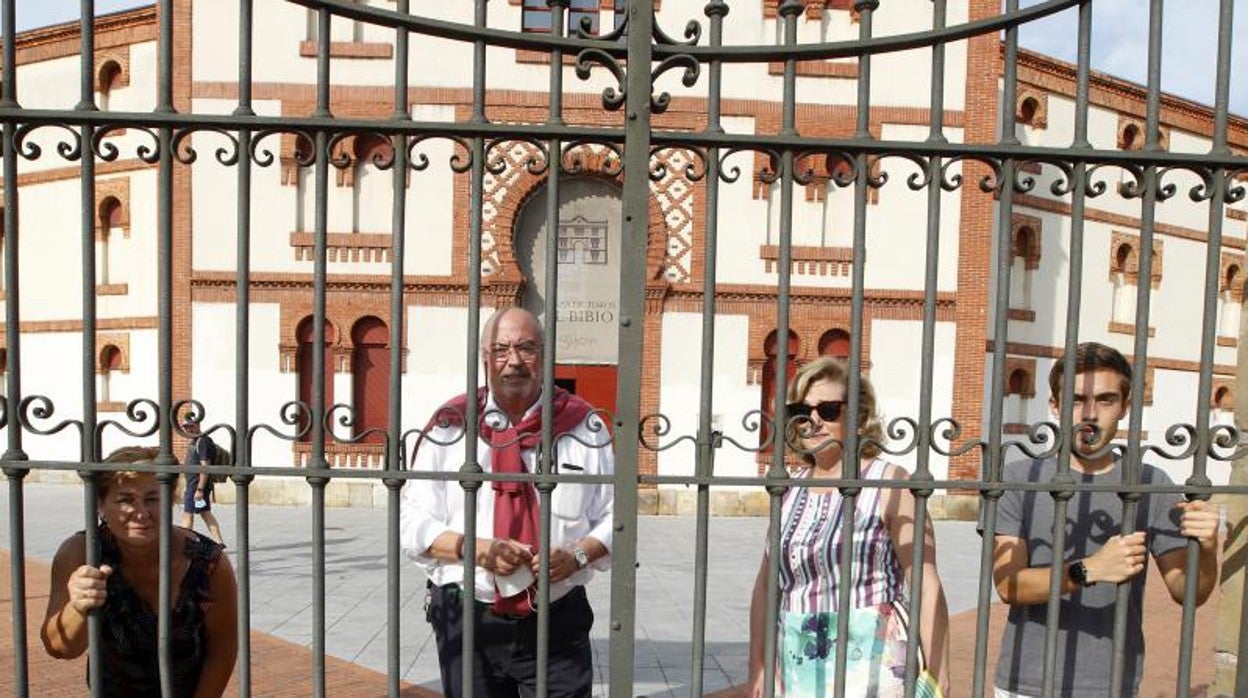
1079, 574
582, 558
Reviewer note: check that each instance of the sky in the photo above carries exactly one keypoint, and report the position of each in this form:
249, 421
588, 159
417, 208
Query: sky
1119, 39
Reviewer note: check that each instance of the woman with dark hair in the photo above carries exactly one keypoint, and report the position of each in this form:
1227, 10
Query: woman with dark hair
124, 591
810, 540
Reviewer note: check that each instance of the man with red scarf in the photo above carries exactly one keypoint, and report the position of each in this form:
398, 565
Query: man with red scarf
507, 523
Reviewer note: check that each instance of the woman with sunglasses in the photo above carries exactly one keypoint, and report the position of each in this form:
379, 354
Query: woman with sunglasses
124, 590
810, 540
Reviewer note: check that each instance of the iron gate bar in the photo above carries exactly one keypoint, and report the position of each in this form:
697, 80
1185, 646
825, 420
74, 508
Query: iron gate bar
394, 461
633, 248
707, 440
240, 443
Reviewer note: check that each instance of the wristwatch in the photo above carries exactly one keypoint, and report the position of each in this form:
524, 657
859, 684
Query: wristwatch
1078, 573
582, 557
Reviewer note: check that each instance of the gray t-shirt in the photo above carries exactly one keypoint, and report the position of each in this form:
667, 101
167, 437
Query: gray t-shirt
1085, 636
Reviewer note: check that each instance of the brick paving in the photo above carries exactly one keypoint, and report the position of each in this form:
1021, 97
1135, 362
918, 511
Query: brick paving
279, 668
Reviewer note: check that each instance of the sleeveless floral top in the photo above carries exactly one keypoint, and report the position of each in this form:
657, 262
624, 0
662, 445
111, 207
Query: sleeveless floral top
131, 666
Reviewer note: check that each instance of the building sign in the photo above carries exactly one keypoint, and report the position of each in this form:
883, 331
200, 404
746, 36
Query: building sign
588, 253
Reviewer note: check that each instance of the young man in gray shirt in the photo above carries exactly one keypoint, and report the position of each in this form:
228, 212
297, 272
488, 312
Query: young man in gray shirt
1097, 557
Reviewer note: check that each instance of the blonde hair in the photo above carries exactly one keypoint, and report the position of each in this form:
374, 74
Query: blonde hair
870, 427
125, 454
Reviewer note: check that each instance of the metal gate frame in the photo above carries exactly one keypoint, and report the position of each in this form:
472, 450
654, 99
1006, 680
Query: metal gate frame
640, 42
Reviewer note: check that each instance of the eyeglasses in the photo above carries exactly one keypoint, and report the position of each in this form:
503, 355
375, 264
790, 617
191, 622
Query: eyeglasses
828, 410
527, 351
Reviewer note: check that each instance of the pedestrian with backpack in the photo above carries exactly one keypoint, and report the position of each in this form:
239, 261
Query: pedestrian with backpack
197, 495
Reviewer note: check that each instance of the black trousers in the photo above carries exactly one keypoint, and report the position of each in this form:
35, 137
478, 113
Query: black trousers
504, 661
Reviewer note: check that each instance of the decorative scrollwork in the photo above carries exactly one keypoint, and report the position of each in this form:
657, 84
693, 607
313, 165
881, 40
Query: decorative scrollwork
657, 425
295, 413
1227, 442
951, 181
596, 424
693, 34
752, 423
573, 159
1202, 190
1165, 190
143, 412
347, 421
41, 407
305, 154
534, 163
69, 150
1042, 434
184, 153
339, 158
1064, 182
659, 103
693, 171
195, 413
460, 161
901, 431
730, 174
1181, 436
1235, 191
950, 430
612, 98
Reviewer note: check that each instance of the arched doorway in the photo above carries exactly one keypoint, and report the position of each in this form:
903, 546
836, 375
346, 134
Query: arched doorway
588, 263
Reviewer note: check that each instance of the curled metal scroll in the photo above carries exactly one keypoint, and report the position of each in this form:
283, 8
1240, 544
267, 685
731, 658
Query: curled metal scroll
1064, 183
903, 431
1203, 190
305, 147
194, 413
1044, 435
40, 407
460, 161
693, 171
340, 158
1235, 191
596, 424
950, 430
293, 413
347, 420
729, 174
1226, 442
184, 153
106, 150
621, 29
752, 423
657, 425
534, 163
612, 98
693, 34
951, 181
1181, 436
572, 161
1134, 188
69, 150
143, 412
693, 69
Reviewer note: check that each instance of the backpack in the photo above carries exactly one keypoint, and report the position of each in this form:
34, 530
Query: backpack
222, 457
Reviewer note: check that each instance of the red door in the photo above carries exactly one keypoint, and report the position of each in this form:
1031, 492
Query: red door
594, 384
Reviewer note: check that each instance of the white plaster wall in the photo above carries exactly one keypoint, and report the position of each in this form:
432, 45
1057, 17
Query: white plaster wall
896, 374
679, 392
437, 345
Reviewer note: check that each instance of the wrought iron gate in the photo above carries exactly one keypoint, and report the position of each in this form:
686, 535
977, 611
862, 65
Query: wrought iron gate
632, 59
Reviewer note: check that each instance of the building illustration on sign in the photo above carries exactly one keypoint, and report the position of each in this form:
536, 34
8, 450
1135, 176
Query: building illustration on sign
590, 237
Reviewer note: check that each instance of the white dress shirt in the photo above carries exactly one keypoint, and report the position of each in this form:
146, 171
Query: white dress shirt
432, 507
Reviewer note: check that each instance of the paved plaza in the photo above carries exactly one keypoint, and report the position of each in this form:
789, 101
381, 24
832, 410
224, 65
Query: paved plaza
355, 585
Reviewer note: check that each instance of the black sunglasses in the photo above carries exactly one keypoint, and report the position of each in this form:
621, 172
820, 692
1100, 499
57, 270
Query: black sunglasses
829, 410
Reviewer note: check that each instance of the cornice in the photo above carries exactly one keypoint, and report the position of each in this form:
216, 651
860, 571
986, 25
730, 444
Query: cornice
1066, 72
103, 23
809, 295
343, 282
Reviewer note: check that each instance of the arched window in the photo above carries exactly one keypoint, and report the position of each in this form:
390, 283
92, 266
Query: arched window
370, 370
834, 343
1130, 139
303, 364
1124, 292
109, 220
1230, 301
771, 348
1020, 275
373, 190
110, 362
109, 74
1017, 389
